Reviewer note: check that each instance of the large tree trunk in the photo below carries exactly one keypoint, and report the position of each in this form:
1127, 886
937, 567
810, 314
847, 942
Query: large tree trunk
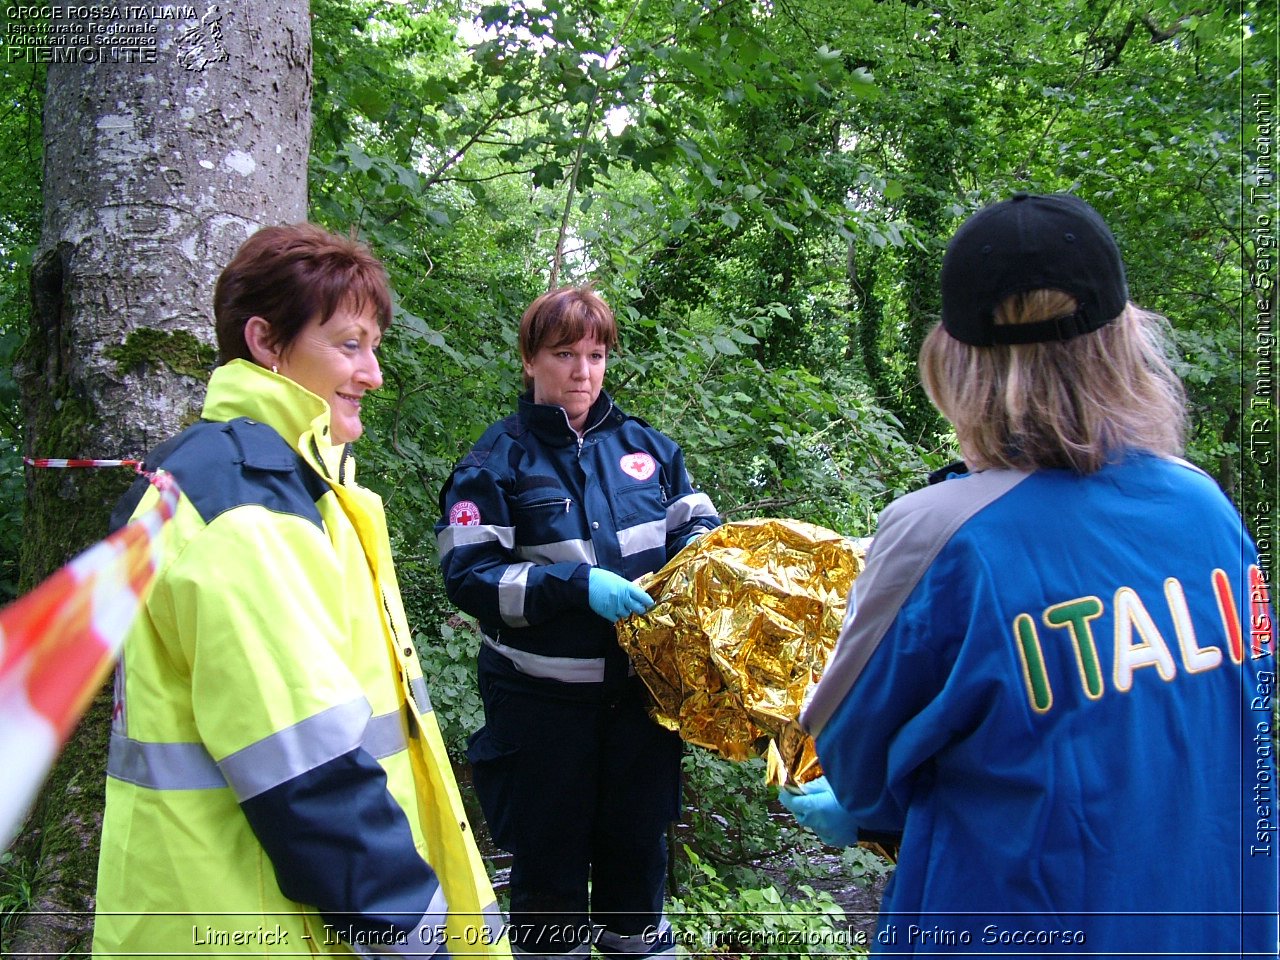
162, 153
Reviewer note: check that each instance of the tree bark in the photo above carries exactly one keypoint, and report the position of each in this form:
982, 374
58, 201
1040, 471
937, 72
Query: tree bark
169, 137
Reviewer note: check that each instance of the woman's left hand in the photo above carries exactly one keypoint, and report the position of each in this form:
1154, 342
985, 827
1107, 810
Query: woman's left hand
819, 810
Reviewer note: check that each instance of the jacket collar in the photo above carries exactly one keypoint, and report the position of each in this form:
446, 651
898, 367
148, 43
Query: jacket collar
551, 423
244, 389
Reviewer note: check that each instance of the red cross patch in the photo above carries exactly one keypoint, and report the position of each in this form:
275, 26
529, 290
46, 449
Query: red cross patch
639, 465
464, 513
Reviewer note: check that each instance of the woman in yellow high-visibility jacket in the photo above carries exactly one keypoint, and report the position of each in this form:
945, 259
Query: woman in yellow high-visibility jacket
277, 782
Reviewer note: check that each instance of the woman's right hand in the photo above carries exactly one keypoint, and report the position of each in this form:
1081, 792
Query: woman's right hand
614, 597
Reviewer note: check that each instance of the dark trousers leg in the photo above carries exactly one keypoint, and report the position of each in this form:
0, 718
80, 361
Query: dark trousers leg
639, 797
576, 789
534, 766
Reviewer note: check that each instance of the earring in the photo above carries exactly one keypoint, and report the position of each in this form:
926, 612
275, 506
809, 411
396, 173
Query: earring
274, 368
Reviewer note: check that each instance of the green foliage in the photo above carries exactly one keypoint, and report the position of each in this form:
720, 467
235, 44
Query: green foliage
21, 98
728, 816
447, 664
12, 482
715, 918
763, 192
16, 883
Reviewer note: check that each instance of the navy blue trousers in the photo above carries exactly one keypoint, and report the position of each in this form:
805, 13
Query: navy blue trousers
579, 785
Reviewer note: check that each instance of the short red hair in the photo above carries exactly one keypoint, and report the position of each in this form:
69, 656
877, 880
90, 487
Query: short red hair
289, 274
565, 315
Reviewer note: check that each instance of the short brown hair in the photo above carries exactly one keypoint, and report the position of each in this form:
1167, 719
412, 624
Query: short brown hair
289, 274
565, 315
1073, 404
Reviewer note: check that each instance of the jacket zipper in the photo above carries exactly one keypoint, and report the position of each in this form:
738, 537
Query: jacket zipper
583, 435
410, 722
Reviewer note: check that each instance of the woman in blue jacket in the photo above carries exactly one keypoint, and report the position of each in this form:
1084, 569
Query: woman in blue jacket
1057, 678
544, 525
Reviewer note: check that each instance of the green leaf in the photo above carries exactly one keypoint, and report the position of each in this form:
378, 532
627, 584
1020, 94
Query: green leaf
726, 346
548, 174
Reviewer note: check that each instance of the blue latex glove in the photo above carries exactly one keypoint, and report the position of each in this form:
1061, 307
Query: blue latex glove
819, 810
615, 597
692, 537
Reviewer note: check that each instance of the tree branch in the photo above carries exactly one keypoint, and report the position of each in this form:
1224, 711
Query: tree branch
768, 503
582, 144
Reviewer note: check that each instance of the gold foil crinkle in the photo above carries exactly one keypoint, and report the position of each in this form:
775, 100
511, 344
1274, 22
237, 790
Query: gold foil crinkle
743, 622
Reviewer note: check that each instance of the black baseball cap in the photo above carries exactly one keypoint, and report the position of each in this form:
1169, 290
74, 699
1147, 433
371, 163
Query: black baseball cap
1031, 242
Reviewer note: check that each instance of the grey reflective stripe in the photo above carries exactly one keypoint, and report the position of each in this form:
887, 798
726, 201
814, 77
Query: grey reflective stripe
295, 750
689, 506
427, 938
163, 766
642, 537
494, 922
562, 551
188, 766
511, 590
384, 736
457, 535
568, 669
418, 687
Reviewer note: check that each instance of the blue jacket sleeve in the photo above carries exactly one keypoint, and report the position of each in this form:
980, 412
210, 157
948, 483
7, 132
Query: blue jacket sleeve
866, 763
482, 573
880, 745
338, 842
689, 511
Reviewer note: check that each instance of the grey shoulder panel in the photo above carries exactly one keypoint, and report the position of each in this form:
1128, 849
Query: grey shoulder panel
910, 534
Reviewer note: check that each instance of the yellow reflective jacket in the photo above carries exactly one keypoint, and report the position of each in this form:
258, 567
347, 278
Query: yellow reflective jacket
277, 782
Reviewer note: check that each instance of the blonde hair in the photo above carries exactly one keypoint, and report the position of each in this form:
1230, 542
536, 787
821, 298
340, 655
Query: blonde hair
1073, 404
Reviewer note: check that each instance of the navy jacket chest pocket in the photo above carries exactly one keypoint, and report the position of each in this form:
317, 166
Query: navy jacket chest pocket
542, 501
635, 503
543, 511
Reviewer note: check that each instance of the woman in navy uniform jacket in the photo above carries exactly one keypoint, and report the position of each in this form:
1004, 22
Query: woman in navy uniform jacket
1056, 680
544, 525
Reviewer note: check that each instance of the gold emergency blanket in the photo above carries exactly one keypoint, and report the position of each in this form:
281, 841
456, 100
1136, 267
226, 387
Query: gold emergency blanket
743, 622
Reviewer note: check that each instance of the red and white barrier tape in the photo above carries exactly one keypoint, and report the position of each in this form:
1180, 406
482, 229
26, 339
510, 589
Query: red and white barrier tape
55, 462
58, 643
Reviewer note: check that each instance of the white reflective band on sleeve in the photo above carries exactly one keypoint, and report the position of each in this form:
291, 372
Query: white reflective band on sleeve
188, 766
163, 766
511, 589
418, 687
295, 750
568, 669
494, 922
642, 537
457, 535
384, 737
688, 507
428, 937
562, 551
